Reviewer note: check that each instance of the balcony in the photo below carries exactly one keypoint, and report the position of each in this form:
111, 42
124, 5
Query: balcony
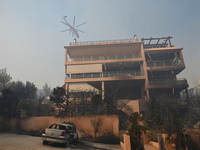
108, 57
106, 74
168, 82
123, 73
164, 63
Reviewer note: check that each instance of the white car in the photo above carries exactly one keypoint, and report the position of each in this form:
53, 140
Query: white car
64, 133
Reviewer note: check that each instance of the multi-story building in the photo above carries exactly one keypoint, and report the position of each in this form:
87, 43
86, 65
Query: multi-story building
137, 68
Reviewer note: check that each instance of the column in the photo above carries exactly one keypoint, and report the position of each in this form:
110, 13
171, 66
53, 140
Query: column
102, 89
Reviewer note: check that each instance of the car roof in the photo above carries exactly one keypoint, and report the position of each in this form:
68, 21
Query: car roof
64, 124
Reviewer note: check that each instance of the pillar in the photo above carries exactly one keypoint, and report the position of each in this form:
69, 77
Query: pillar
102, 89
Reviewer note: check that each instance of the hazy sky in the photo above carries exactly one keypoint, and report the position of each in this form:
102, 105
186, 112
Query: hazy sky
32, 46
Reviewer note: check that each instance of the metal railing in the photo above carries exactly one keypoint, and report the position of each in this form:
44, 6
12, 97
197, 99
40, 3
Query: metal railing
108, 57
167, 81
106, 74
123, 73
85, 75
146, 46
102, 41
164, 63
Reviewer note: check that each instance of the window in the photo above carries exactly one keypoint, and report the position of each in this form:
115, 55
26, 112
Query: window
106, 57
120, 56
78, 58
87, 75
79, 75
112, 57
73, 76
95, 58
87, 58
70, 129
96, 75
73, 129
129, 56
53, 126
61, 127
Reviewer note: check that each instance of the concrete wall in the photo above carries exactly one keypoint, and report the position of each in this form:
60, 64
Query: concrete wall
109, 124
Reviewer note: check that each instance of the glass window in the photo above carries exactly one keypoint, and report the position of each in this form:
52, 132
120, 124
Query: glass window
129, 56
112, 57
113, 74
87, 58
105, 74
78, 59
95, 58
136, 55
73, 129
79, 75
168, 63
96, 75
159, 63
70, 129
120, 56
73, 76
61, 127
150, 64
52, 126
106, 57
87, 75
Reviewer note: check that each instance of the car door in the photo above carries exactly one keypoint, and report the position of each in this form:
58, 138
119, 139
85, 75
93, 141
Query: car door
71, 133
75, 134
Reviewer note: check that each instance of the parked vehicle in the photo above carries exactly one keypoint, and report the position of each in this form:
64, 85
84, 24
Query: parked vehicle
64, 133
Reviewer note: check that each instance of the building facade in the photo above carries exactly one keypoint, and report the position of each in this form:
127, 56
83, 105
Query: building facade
136, 68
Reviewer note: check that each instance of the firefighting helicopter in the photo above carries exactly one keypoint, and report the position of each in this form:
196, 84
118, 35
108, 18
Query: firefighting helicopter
72, 29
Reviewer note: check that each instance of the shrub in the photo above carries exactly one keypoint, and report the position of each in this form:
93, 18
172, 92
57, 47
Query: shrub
152, 135
109, 139
193, 139
34, 132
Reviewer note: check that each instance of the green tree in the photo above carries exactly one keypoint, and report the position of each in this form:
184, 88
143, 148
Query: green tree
60, 98
111, 96
47, 90
4, 79
16, 97
8, 104
135, 131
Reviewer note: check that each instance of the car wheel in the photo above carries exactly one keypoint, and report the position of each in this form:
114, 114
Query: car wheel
45, 142
67, 143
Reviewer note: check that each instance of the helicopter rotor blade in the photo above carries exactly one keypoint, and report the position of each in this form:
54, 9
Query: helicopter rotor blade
64, 23
80, 24
74, 22
65, 30
80, 31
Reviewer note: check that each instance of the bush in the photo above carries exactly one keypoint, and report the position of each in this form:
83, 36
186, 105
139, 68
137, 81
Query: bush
193, 139
152, 135
109, 139
34, 132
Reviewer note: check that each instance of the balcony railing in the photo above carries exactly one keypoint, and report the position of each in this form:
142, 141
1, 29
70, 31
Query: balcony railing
147, 46
167, 82
108, 57
102, 41
123, 73
164, 63
106, 74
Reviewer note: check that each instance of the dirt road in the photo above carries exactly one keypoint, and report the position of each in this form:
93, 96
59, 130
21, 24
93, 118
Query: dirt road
25, 142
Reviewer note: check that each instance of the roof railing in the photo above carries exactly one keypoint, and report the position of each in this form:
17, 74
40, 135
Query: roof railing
102, 41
